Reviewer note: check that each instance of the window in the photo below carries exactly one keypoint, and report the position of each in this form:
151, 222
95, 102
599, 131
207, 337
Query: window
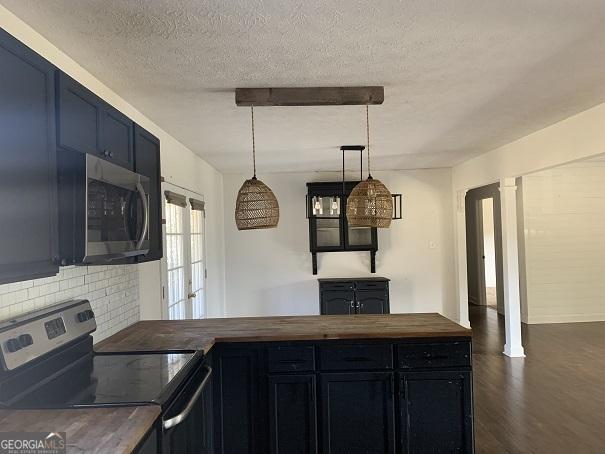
184, 265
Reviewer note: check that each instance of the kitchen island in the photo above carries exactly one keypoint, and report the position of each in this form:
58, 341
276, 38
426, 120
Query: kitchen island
397, 383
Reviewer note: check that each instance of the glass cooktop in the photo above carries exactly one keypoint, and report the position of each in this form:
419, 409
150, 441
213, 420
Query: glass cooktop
112, 379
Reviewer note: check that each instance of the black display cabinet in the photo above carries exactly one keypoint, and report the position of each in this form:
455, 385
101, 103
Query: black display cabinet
329, 230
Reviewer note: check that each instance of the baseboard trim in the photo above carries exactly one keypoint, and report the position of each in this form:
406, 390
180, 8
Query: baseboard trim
565, 318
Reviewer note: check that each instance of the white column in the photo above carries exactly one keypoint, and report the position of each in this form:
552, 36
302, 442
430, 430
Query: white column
461, 283
510, 259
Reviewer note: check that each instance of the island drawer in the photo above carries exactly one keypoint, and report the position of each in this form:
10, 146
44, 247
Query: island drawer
291, 358
356, 356
434, 354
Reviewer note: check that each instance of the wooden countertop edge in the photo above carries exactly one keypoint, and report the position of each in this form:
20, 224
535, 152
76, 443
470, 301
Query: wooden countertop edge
339, 336
94, 430
225, 330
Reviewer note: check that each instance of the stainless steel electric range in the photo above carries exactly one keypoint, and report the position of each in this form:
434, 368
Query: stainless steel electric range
48, 361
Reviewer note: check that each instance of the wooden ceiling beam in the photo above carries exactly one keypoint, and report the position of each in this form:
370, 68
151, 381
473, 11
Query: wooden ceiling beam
309, 96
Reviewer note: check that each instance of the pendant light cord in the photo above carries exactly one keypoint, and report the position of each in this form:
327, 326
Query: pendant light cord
368, 137
253, 143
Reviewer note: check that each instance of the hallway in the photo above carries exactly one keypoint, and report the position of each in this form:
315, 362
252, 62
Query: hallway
552, 401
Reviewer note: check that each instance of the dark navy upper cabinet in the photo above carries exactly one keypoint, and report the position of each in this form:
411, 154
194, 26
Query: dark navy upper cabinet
79, 117
147, 162
88, 124
28, 236
117, 138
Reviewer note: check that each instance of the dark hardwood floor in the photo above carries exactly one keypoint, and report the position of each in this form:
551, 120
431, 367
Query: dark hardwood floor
552, 401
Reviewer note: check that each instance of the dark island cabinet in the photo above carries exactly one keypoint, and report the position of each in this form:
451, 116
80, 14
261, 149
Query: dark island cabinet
292, 414
88, 124
436, 412
399, 396
147, 162
354, 296
239, 419
28, 238
358, 413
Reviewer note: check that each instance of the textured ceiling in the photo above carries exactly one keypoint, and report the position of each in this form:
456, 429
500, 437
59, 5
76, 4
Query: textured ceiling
461, 77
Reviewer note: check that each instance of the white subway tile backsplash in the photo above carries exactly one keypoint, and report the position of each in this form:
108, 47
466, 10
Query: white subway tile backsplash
112, 291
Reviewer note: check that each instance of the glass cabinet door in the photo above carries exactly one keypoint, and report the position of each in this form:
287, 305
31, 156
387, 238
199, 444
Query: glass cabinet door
328, 233
359, 236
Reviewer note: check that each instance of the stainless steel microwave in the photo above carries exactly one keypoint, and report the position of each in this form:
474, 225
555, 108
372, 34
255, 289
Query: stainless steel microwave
103, 211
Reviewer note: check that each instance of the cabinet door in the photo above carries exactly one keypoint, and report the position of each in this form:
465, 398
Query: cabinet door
79, 121
357, 413
371, 301
28, 172
337, 302
117, 140
147, 162
149, 445
436, 412
238, 415
292, 414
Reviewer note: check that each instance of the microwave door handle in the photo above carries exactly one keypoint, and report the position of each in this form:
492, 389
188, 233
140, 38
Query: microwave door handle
176, 420
145, 215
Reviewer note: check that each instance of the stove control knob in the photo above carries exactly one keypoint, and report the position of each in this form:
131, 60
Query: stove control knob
26, 340
85, 315
12, 345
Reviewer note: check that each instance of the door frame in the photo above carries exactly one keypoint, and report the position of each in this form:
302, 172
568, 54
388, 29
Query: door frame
188, 193
480, 251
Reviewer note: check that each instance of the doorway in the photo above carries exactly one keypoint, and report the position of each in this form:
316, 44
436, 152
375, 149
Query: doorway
488, 289
484, 248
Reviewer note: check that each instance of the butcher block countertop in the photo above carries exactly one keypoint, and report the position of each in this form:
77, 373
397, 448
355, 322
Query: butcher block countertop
203, 334
91, 430
121, 429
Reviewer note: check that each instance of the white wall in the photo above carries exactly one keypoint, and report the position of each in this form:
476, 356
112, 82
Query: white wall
179, 166
270, 271
575, 138
564, 222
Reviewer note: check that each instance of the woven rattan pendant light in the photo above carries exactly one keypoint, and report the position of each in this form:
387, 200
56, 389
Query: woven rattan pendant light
256, 206
370, 203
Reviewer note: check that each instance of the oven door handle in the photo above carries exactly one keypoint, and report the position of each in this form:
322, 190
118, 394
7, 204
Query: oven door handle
176, 420
145, 215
